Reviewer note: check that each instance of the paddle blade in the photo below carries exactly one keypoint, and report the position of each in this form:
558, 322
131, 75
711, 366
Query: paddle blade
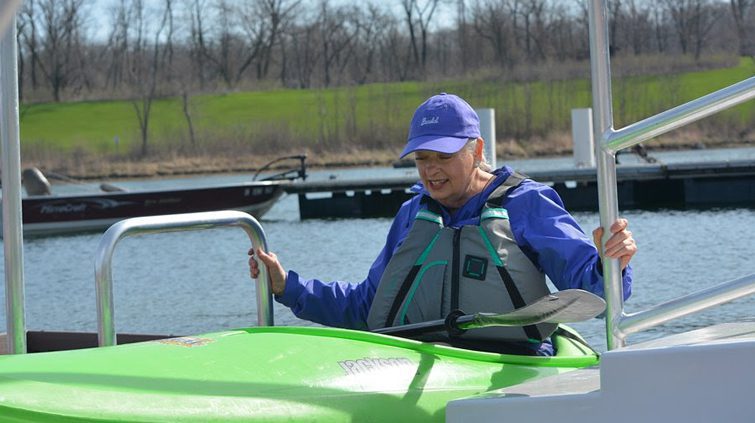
567, 306
583, 305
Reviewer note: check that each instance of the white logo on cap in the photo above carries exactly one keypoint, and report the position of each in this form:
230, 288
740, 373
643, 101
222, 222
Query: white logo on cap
426, 121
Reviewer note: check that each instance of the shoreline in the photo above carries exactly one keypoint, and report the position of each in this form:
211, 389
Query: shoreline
102, 169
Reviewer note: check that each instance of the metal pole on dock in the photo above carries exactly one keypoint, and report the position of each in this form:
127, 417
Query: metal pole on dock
583, 141
487, 130
11, 178
607, 192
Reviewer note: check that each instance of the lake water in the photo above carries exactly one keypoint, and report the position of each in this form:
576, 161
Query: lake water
194, 282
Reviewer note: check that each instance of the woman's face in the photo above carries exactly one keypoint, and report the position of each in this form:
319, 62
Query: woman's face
449, 178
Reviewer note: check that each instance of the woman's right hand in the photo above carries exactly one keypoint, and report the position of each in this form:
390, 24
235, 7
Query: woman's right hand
275, 270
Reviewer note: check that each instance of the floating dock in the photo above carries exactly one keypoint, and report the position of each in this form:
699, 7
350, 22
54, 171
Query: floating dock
674, 186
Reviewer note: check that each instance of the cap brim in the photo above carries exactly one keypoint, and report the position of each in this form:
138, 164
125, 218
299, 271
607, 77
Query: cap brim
446, 145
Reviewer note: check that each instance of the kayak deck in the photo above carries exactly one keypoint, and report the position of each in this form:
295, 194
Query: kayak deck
264, 374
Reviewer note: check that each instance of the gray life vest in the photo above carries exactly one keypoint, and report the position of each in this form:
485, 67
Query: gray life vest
474, 269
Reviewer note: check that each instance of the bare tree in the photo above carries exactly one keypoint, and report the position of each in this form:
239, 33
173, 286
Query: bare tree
21, 25
494, 25
255, 28
396, 53
168, 52
462, 30
27, 39
62, 22
418, 17
118, 44
614, 20
370, 32
582, 23
197, 12
659, 21
296, 43
144, 77
278, 13
562, 35
306, 55
741, 10
336, 34
187, 116
693, 20
637, 26
226, 47
533, 14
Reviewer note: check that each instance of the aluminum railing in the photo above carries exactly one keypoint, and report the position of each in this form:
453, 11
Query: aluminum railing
618, 324
11, 177
171, 223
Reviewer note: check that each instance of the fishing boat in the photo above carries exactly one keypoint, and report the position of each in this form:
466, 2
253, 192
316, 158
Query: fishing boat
272, 373
47, 214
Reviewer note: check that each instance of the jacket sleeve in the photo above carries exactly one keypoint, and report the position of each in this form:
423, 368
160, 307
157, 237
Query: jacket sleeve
339, 303
553, 240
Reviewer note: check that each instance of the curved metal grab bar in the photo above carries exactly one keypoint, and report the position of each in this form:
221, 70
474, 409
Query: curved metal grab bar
171, 223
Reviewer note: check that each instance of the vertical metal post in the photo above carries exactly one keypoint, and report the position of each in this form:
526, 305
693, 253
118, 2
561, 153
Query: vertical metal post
8, 12
487, 130
11, 178
606, 164
583, 140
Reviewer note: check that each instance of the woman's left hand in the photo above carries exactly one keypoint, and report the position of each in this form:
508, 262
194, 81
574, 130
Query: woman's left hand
620, 245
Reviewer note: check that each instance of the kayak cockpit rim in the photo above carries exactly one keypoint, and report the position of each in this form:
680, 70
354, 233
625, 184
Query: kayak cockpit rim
618, 324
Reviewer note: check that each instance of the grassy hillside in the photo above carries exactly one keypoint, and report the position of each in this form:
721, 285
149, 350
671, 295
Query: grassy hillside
373, 117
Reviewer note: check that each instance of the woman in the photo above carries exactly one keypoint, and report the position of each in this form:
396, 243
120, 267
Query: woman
472, 238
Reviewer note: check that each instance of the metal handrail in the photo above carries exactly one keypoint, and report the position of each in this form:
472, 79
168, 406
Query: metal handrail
619, 324
11, 176
171, 223
681, 115
688, 304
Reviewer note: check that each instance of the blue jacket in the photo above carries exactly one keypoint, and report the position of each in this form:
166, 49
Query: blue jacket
543, 229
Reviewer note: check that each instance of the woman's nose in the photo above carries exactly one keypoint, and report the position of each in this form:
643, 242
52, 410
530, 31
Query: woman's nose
430, 164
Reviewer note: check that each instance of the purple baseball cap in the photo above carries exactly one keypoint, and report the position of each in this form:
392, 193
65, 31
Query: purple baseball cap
444, 123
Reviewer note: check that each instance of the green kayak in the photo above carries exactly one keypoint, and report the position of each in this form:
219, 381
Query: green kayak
264, 374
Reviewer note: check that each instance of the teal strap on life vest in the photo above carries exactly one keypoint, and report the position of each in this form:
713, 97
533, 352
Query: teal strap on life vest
494, 213
415, 285
429, 216
489, 246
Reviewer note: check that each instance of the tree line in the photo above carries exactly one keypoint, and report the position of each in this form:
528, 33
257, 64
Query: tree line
142, 50
69, 50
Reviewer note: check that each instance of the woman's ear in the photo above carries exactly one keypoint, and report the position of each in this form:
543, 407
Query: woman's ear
478, 151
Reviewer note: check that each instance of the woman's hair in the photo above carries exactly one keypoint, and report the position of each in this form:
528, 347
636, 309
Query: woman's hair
483, 163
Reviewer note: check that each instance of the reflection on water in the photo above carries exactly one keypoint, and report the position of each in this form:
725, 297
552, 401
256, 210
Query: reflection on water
193, 282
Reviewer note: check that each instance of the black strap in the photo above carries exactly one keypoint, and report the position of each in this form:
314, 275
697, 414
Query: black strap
560, 331
405, 285
455, 265
517, 300
432, 205
497, 197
